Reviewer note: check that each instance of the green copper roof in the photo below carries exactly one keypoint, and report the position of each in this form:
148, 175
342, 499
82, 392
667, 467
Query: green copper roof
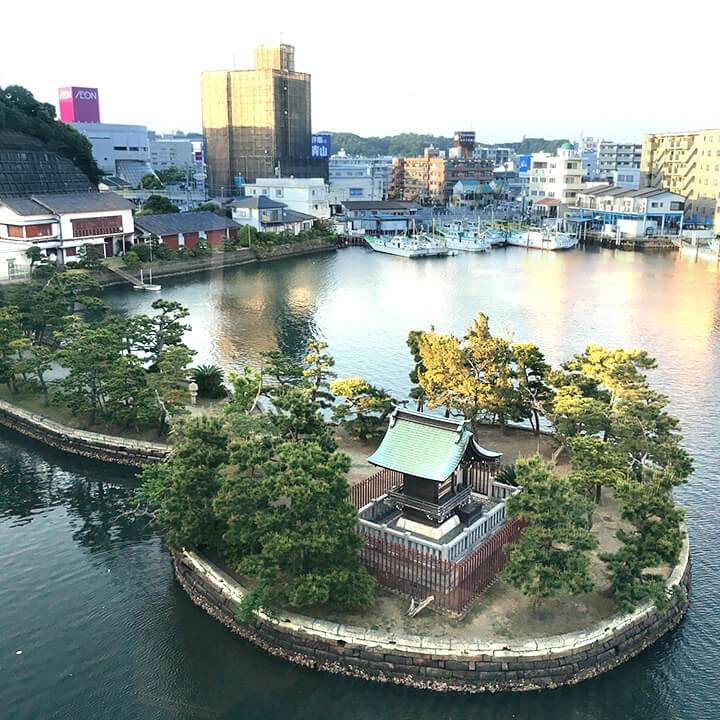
423, 445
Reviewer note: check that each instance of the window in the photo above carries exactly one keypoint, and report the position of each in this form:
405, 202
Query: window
278, 192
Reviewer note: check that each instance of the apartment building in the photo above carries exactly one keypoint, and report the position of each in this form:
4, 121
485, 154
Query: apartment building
687, 163
358, 178
308, 196
432, 178
612, 155
555, 177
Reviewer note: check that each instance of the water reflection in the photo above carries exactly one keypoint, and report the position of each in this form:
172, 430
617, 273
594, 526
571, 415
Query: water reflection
94, 496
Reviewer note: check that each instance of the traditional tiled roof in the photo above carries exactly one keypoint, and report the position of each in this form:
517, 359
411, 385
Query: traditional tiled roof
82, 202
261, 202
378, 205
173, 223
426, 446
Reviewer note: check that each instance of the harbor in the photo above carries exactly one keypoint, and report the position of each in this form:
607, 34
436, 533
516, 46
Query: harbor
116, 619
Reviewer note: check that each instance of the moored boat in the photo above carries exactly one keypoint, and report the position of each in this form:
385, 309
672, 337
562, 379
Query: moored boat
541, 239
412, 246
460, 238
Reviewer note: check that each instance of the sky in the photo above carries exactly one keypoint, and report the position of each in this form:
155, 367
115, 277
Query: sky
612, 69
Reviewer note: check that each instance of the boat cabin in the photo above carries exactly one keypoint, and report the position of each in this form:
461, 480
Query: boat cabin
434, 456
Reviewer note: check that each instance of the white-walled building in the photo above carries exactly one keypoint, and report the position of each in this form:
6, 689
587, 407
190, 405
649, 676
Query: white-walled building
627, 177
121, 150
557, 177
612, 155
358, 178
304, 195
180, 151
59, 224
268, 215
634, 213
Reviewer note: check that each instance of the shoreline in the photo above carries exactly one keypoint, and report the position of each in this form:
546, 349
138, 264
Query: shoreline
439, 663
220, 261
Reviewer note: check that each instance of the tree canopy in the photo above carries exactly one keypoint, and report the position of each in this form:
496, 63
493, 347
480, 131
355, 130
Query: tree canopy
19, 110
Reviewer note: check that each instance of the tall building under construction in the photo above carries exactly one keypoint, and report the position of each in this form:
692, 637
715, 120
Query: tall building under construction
257, 122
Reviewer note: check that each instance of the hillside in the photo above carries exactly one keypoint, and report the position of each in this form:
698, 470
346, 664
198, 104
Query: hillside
413, 144
21, 112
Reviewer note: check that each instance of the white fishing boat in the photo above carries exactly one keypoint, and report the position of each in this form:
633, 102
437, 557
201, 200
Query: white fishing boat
541, 239
412, 246
459, 238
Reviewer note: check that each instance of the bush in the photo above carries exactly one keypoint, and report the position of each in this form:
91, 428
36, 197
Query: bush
507, 476
143, 252
209, 379
132, 261
163, 252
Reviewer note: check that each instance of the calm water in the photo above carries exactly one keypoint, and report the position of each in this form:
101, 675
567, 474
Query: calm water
89, 598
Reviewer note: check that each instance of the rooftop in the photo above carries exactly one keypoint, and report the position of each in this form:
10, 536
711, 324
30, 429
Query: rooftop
614, 191
427, 446
258, 202
379, 205
60, 203
172, 223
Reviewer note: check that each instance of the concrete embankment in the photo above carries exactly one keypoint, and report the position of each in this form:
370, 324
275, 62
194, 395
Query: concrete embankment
443, 664
221, 260
109, 448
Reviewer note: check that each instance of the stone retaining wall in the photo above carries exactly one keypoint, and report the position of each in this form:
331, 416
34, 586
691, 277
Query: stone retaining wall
110, 448
235, 258
438, 663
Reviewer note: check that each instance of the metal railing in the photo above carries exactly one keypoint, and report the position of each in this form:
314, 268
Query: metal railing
435, 510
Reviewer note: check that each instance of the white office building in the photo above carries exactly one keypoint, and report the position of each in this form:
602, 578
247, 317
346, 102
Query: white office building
358, 178
309, 196
555, 177
120, 150
177, 150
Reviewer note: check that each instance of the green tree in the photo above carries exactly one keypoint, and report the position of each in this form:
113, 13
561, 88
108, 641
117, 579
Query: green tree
655, 538
365, 408
128, 401
595, 464
246, 388
89, 356
20, 111
158, 205
91, 257
35, 361
443, 370
34, 254
552, 555
152, 334
532, 375
489, 389
150, 181
297, 417
318, 373
416, 392
280, 368
10, 333
293, 531
181, 491
171, 176
210, 381
170, 384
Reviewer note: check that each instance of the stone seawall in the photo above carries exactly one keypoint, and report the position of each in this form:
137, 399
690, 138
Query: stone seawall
439, 663
109, 448
218, 261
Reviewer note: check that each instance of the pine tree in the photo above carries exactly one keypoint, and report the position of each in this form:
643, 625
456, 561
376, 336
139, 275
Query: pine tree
552, 555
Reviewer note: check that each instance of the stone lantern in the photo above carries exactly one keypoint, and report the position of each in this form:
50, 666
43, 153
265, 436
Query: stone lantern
193, 388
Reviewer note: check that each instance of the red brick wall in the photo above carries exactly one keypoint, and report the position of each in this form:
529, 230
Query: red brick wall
215, 237
190, 239
171, 241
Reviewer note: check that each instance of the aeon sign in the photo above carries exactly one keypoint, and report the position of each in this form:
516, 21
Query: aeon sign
79, 104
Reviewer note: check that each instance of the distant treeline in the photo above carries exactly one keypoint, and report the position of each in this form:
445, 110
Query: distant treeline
413, 144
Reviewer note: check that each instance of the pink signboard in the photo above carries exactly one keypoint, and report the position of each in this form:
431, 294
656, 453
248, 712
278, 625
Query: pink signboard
79, 104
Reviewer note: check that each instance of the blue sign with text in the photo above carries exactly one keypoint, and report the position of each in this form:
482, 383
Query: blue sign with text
523, 163
356, 192
320, 146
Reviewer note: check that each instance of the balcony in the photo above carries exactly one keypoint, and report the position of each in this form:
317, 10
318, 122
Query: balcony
438, 512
